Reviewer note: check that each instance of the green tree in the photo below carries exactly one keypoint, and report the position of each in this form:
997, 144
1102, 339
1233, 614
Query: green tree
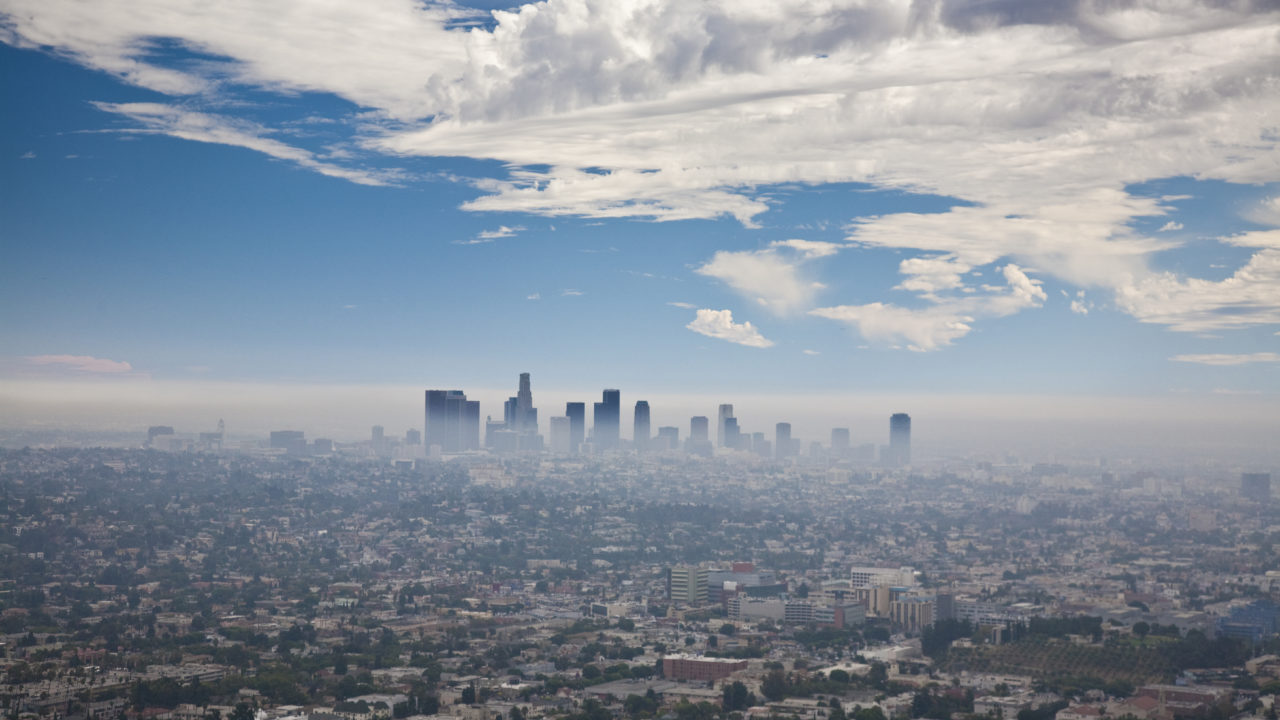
774, 685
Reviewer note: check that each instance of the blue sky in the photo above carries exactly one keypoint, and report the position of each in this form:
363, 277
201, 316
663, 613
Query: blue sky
851, 197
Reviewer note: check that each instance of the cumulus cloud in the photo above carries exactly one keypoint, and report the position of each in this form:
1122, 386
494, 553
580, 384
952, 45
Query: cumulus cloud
1249, 297
1171, 226
948, 319
1227, 359
1266, 212
921, 330
81, 364
774, 277
719, 324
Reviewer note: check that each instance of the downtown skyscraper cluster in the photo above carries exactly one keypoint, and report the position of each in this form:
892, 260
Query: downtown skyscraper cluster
453, 426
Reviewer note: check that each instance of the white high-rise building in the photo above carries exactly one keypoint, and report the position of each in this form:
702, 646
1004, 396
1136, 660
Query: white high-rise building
870, 577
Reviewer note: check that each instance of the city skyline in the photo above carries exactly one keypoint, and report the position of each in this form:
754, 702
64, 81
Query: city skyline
187, 208
1237, 431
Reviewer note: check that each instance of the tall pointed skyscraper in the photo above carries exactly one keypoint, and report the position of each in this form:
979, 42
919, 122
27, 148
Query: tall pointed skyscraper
526, 416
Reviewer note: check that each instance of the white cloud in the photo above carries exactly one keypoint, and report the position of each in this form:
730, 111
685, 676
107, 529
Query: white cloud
948, 319
921, 330
1079, 307
81, 363
502, 232
534, 296
1234, 392
1249, 297
719, 324
809, 248
1037, 114
571, 293
1227, 359
774, 277
685, 305
202, 127
1266, 212
1171, 226
811, 352
28, 155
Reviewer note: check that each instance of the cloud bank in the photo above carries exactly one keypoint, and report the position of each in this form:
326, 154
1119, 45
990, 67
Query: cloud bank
1036, 116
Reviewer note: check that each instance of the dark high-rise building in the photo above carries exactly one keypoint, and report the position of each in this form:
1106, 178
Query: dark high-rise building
698, 427
491, 430
607, 417
412, 437
726, 413
730, 437
470, 425
577, 414
378, 440
756, 443
640, 427
839, 442
699, 442
156, 431
291, 441
1256, 487
559, 432
782, 441
509, 413
899, 439
668, 438
452, 421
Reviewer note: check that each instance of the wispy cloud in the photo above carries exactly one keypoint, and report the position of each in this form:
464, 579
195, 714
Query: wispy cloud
1228, 359
81, 364
187, 124
502, 232
533, 296
811, 352
28, 155
685, 305
1171, 226
569, 292
719, 324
